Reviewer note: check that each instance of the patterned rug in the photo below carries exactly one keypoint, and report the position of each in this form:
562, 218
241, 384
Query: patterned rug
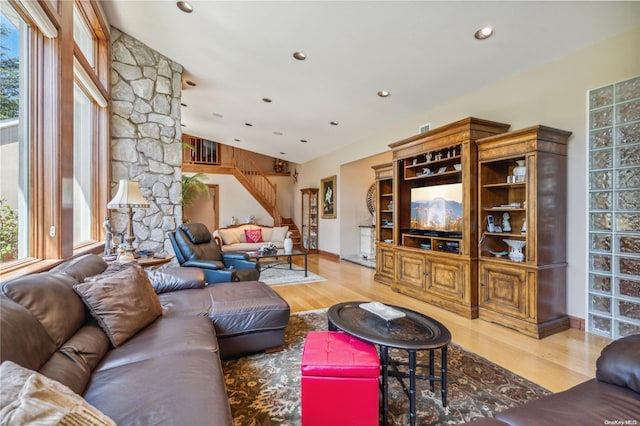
282, 275
264, 389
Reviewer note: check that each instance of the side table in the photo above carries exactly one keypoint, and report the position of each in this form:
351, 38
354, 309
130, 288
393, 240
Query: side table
414, 332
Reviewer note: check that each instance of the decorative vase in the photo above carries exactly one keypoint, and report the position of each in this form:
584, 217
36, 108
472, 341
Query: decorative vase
520, 172
288, 245
516, 250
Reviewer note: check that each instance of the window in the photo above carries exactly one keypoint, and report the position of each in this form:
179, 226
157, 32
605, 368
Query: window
83, 124
614, 209
83, 36
89, 103
14, 137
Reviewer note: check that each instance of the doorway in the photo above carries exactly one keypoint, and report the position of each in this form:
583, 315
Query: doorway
205, 209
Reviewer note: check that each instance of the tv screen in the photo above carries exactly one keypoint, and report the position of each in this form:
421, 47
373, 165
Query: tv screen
437, 208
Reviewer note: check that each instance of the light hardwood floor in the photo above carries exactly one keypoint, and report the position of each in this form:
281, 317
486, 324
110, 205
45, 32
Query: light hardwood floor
556, 362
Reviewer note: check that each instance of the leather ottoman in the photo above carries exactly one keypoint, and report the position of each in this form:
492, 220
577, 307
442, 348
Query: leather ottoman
339, 380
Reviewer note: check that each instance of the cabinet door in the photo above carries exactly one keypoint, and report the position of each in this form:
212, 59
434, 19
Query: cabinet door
411, 269
445, 279
503, 289
386, 263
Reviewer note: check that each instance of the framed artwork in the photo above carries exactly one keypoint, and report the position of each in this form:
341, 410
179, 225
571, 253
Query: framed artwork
329, 197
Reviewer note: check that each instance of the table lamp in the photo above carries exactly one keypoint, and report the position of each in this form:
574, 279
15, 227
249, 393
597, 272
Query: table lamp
128, 197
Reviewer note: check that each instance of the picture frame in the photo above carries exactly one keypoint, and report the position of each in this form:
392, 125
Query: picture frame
329, 195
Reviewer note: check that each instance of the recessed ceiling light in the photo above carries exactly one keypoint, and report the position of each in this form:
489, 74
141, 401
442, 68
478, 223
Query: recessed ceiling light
266, 100
184, 6
484, 33
283, 153
248, 124
184, 105
190, 83
299, 56
237, 140
304, 140
217, 114
183, 125
384, 94
334, 123
278, 133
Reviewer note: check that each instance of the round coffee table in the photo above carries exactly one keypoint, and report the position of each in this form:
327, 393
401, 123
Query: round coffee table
413, 332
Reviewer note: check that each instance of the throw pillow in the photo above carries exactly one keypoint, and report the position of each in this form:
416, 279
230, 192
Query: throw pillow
253, 235
279, 233
40, 400
123, 303
229, 236
112, 269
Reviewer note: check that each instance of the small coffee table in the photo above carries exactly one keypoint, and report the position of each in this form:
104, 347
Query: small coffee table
257, 255
414, 332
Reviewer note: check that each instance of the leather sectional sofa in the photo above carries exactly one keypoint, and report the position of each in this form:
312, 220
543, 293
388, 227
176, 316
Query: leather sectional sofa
60, 324
611, 398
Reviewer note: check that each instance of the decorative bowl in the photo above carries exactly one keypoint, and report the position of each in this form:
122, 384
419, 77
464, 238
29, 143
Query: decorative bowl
458, 166
498, 253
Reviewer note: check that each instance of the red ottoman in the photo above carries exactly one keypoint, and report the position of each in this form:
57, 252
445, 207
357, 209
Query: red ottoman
339, 380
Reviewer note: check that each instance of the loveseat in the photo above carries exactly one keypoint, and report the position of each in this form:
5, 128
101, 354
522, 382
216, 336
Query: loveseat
239, 238
80, 325
611, 398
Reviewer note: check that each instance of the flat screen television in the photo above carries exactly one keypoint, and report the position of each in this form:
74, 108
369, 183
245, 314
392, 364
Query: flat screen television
437, 209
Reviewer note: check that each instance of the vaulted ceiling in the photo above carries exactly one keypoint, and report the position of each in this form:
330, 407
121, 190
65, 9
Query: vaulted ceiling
423, 52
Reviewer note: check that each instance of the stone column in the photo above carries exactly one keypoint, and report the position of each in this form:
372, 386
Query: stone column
146, 89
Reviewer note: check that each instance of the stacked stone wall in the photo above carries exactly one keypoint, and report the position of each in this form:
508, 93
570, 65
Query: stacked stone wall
146, 89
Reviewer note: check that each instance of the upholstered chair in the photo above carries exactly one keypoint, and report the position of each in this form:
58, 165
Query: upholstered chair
194, 247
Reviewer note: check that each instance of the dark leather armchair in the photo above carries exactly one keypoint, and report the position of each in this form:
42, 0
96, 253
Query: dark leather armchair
194, 247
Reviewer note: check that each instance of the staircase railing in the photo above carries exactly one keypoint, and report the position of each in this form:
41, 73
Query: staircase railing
256, 182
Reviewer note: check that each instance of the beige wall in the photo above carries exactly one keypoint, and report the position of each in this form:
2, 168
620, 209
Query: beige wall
553, 94
356, 178
237, 201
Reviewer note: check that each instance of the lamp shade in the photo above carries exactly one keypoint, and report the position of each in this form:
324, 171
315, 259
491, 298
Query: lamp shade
128, 195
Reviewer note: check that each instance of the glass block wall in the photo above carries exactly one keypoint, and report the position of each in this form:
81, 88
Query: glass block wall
614, 209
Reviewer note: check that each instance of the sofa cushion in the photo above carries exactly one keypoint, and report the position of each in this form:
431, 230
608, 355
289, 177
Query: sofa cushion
49, 296
196, 232
23, 339
176, 278
74, 362
167, 374
619, 363
279, 233
229, 236
122, 303
82, 267
253, 235
598, 403
40, 400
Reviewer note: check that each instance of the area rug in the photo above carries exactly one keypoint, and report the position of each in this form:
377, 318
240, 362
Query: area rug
264, 389
282, 275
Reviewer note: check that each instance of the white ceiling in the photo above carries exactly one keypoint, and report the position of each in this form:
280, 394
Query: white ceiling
423, 52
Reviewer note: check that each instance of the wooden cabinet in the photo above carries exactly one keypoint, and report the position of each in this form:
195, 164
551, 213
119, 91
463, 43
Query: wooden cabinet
434, 214
385, 257
522, 177
310, 219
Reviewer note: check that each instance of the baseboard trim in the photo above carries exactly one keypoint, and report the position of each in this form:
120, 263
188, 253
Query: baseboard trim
330, 255
577, 323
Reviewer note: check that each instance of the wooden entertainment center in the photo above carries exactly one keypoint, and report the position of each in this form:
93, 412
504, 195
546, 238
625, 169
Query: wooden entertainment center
444, 252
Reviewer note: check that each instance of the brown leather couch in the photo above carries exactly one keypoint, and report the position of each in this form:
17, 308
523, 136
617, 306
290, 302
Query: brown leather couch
612, 398
170, 371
